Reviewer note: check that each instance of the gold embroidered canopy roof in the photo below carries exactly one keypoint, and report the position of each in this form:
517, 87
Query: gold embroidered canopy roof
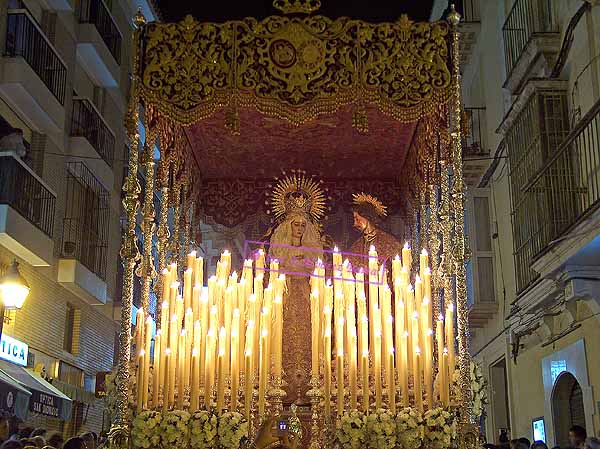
295, 68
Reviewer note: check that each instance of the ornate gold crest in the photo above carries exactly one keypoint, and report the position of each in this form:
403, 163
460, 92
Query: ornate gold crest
299, 194
297, 6
362, 198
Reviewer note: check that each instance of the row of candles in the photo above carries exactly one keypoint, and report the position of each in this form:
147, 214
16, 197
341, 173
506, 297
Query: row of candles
379, 347
210, 339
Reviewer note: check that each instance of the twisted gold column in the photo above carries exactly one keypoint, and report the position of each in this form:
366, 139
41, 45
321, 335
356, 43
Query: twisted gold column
434, 248
458, 193
175, 199
119, 432
146, 270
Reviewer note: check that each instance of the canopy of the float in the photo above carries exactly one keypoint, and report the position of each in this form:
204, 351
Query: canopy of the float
360, 105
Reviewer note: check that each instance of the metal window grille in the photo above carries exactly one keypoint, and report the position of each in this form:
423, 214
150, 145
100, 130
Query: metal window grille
526, 18
85, 226
88, 123
96, 12
533, 139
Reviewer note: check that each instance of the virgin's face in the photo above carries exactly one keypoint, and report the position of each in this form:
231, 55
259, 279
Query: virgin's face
298, 227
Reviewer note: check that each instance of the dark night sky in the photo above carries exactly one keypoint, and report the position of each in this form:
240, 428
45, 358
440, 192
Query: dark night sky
222, 10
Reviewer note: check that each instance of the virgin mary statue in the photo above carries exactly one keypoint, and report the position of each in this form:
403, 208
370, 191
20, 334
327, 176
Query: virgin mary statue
298, 204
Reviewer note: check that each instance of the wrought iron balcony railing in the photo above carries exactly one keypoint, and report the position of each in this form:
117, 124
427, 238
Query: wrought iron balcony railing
525, 19
25, 39
474, 132
25, 193
86, 222
87, 122
96, 12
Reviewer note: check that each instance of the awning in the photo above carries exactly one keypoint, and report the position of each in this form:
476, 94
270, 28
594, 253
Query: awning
14, 397
45, 399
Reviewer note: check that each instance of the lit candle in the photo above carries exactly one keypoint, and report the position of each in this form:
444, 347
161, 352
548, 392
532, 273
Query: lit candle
194, 395
377, 360
173, 297
167, 388
139, 330
189, 343
353, 368
209, 368
423, 261
173, 342
427, 283
417, 381
199, 271
278, 336
221, 370
339, 369
404, 371
415, 333
249, 382
327, 358
444, 383
156, 369
147, 351
391, 383
140, 381
181, 369
191, 259
418, 293
428, 370
365, 381
234, 359
315, 326
204, 319
406, 257
187, 288
450, 338
260, 262
263, 372
410, 309
396, 266
164, 342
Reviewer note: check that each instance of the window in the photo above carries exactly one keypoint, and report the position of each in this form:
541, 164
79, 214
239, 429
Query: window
70, 374
71, 336
85, 226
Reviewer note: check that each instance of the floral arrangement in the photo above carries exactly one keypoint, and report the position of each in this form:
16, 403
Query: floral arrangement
381, 430
440, 428
203, 430
146, 429
351, 430
232, 430
410, 429
175, 429
479, 390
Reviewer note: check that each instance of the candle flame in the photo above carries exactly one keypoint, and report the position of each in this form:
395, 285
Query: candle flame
252, 298
222, 332
248, 352
326, 310
430, 331
406, 246
440, 317
328, 283
250, 323
189, 311
174, 317
418, 350
327, 332
404, 270
335, 249
264, 310
264, 332
390, 319
164, 271
165, 305
397, 258
417, 278
424, 252
428, 271
340, 352
189, 271
445, 351
195, 352
192, 253
175, 284
425, 300
214, 310
142, 352
158, 333
365, 353
236, 312
341, 321
183, 332
392, 350
405, 334
371, 248
168, 351
225, 253
451, 307
410, 288
221, 352
149, 320
415, 315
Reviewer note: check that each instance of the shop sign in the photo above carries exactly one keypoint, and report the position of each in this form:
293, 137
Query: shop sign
44, 404
13, 350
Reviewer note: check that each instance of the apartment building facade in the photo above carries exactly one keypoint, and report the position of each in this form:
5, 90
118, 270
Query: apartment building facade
530, 82
64, 80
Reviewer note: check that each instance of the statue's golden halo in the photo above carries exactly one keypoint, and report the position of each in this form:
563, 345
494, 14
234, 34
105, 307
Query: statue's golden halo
363, 198
298, 193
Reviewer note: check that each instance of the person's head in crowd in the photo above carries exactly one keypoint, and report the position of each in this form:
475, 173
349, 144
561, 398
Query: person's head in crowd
25, 432
56, 440
74, 443
518, 444
539, 445
38, 432
90, 439
556, 447
577, 436
591, 443
489, 446
39, 441
525, 441
11, 444
4, 428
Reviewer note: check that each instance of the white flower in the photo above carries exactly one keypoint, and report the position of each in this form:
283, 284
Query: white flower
351, 430
175, 429
203, 430
146, 431
381, 430
232, 430
440, 428
409, 428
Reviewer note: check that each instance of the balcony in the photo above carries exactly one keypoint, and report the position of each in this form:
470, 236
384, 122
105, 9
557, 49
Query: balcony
475, 149
82, 266
26, 212
34, 77
99, 45
90, 137
531, 40
469, 28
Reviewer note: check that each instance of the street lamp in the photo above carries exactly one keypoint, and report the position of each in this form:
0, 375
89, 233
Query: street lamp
13, 291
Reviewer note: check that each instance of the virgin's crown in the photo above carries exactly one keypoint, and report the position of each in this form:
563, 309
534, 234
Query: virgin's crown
297, 202
297, 6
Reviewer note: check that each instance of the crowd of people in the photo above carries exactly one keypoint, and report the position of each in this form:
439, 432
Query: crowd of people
11, 437
578, 439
